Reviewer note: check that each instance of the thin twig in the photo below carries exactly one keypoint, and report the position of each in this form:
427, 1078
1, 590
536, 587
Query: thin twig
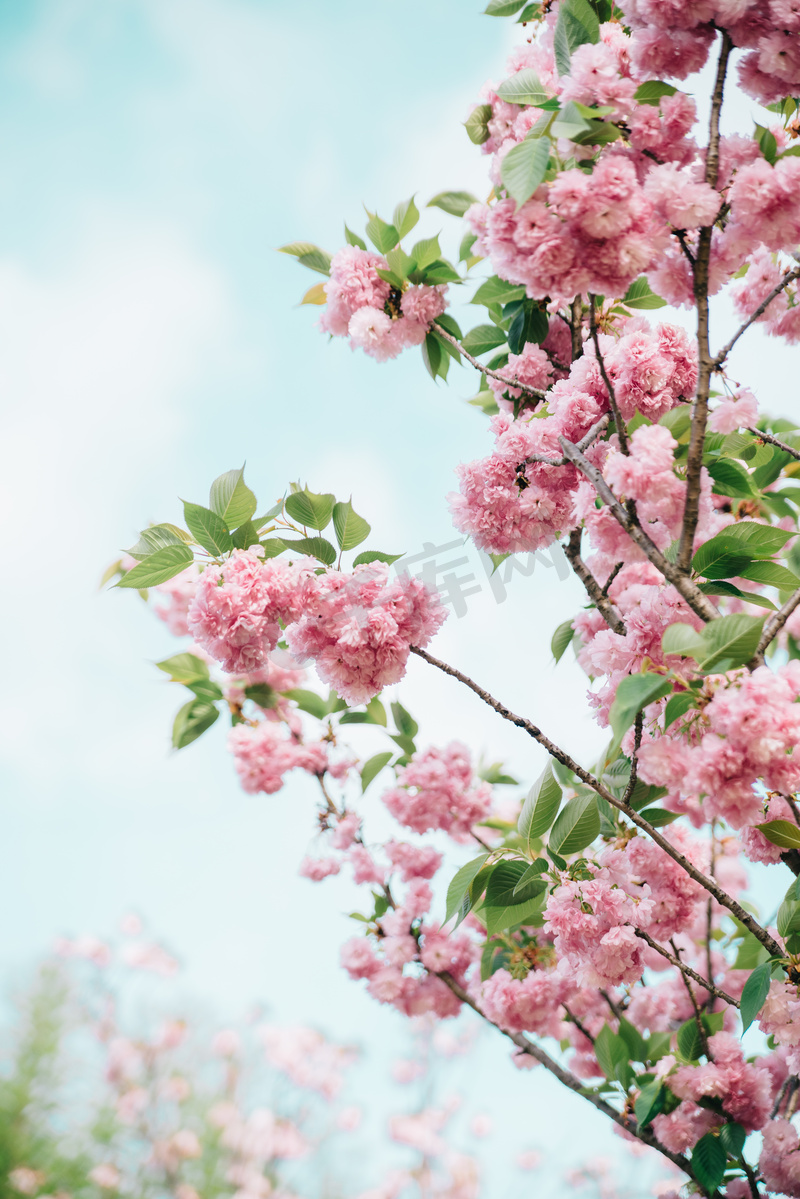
638, 725
616, 1010
788, 278
694, 459
610, 614
531, 391
622, 432
614, 572
781, 445
584, 443
687, 970
698, 602
521, 722
645, 1135
772, 627
580, 1027
698, 1015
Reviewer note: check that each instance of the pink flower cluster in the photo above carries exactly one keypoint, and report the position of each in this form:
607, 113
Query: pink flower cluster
779, 1162
751, 731
651, 370
591, 925
376, 318
438, 790
359, 628
263, 754
746, 1090
782, 316
238, 608
763, 199
780, 1018
178, 594
580, 233
532, 1004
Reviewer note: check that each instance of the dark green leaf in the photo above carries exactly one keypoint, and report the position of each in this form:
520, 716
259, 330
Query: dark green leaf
650, 1100
576, 826
610, 1050
540, 808
368, 556
184, 668
733, 1137
708, 1162
577, 24
731, 478
690, 1042
432, 355
771, 574
232, 499
373, 766
192, 720
524, 168
767, 143
652, 91
505, 888
762, 541
755, 993
529, 324
678, 705
635, 1042
635, 692
315, 547
307, 701
164, 564
262, 694
720, 587
456, 203
499, 918
245, 536
406, 724
530, 874
658, 817
495, 291
460, 884
733, 639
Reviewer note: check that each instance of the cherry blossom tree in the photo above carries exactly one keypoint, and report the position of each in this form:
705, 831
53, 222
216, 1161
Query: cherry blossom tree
600, 925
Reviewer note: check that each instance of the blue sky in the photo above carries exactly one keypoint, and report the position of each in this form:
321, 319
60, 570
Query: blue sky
156, 152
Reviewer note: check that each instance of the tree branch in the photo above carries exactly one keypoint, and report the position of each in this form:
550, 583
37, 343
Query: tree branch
788, 278
700, 270
645, 1135
638, 725
686, 970
583, 444
698, 602
709, 884
604, 605
781, 445
773, 626
622, 432
448, 337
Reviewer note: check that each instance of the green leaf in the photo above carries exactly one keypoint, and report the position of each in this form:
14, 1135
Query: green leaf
368, 556
635, 1042
788, 918
405, 722
576, 826
561, 639
425, 252
310, 510
610, 1050
405, 217
455, 203
523, 88
433, 355
192, 720
184, 668
755, 993
156, 537
678, 705
308, 701
164, 564
384, 237
460, 884
272, 546
720, 587
524, 168
530, 874
751, 953
722, 553
577, 24
494, 291
465, 249
503, 8
690, 1043
315, 547
782, 833
505, 887
353, 239
771, 574
658, 817
650, 1100
652, 91
499, 918
635, 692
733, 1137
731, 478
483, 338
402, 264
439, 271
682, 639
540, 807
307, 254
767, 143
477, 124
245, 536
351, 529
708, 1162
262, 694
732, 639
232, 499
208, 529
761, 541
373, 766
641, 295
